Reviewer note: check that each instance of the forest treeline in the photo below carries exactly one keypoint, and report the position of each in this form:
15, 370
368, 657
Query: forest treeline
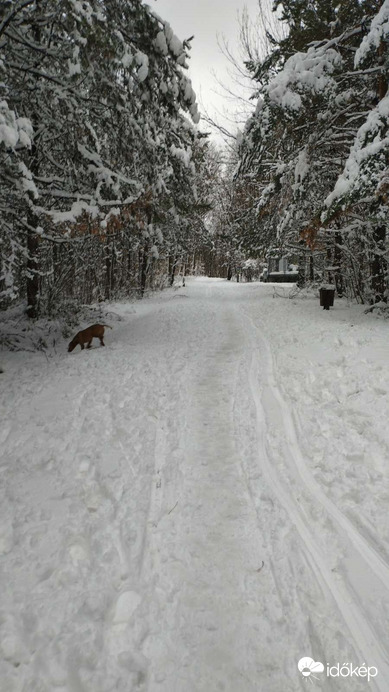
312, 181
99, 155
107, 186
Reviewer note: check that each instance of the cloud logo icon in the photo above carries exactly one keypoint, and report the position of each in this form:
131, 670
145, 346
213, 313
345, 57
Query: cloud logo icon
307, 666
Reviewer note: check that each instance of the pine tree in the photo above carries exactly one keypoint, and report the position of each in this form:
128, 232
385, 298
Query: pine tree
97, 102
309, 120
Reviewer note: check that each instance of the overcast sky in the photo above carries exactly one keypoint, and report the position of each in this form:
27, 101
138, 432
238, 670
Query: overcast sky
207, 20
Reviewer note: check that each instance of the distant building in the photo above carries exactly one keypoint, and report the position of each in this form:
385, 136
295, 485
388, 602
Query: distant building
279, 269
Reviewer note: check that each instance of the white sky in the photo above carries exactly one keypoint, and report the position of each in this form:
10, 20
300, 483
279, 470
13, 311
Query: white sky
207, 20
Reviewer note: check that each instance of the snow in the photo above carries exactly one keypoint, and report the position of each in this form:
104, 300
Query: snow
377, 33
368, 144
27, 182
184, 155
143, 61
14, 130
84, 9
193, 110
311, 70
70, 216
161, 43
200, 504
301, 169
127, 57
74, 64
189, 94
174, 43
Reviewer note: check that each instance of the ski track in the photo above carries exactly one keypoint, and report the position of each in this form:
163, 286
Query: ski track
361, 630
366, 550
161, 530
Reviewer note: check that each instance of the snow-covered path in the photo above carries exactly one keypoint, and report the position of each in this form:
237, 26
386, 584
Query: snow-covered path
200, 504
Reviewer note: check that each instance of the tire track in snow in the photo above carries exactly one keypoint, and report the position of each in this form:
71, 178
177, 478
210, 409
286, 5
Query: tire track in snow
365, 640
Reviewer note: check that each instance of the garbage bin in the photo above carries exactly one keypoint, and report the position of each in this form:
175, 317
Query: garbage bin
327, 294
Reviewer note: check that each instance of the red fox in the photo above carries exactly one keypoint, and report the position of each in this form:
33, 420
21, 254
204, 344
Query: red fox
86, 336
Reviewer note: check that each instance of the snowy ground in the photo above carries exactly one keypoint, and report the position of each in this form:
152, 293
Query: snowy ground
200, 504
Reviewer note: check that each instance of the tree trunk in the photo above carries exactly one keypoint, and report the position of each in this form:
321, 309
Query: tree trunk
338, 264
33, 265
301, 278
382, 86
32, 283
379, 266
32, 274
311, 268
172, 268
129, 266
109, 269
143, 268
